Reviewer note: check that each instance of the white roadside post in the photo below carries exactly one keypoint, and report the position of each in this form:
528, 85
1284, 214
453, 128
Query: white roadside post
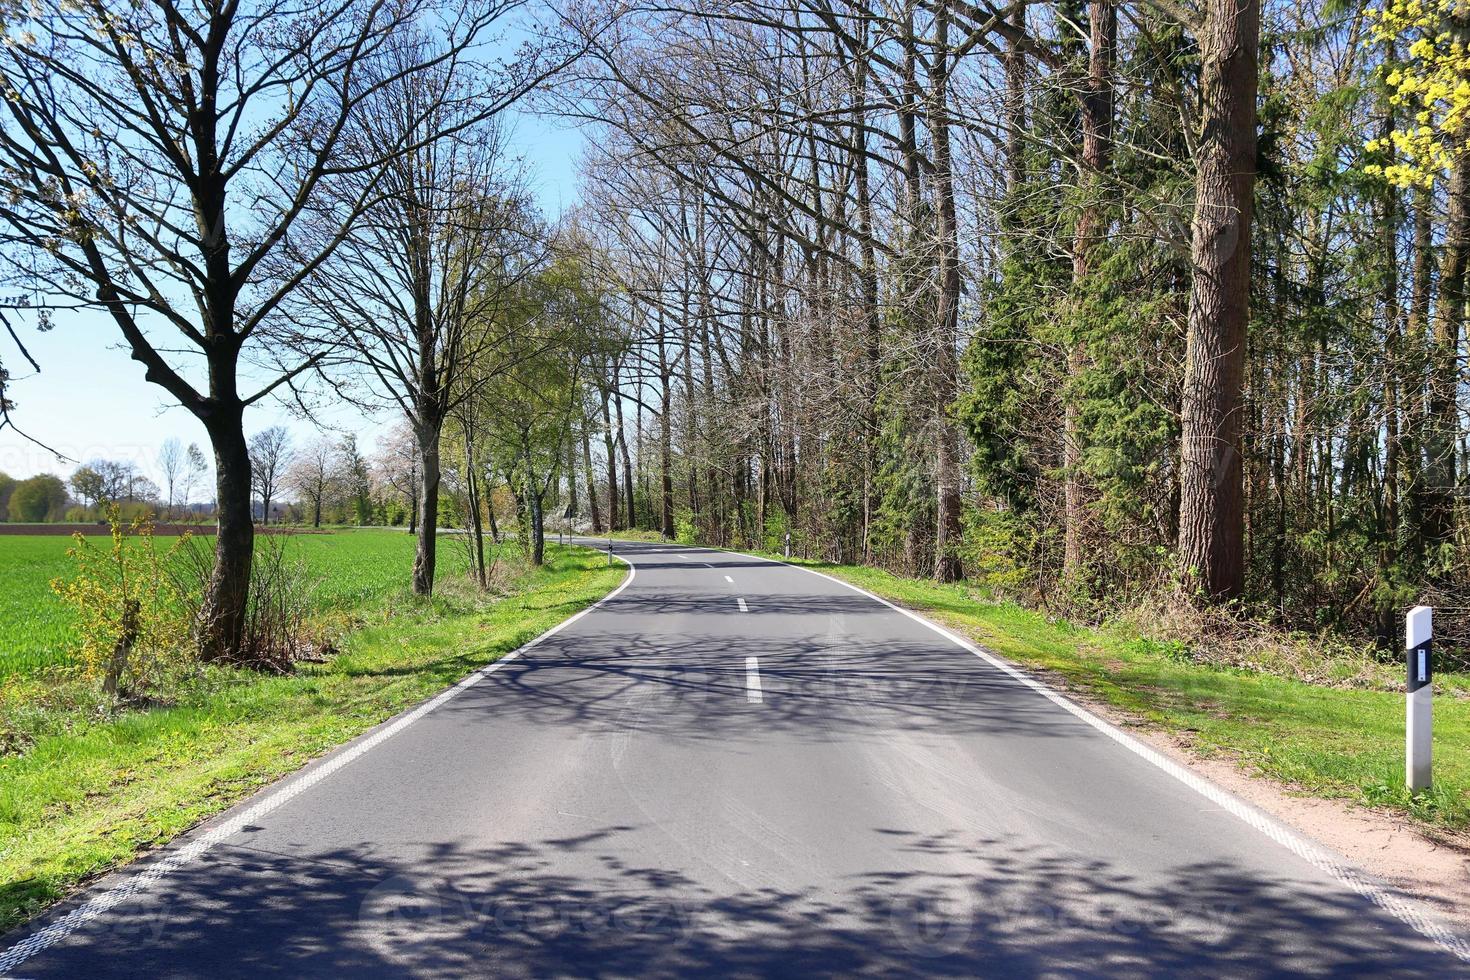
1418, 732
788, 544
609, 548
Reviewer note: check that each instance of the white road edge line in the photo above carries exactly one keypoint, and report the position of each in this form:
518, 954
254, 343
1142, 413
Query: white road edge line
142, 881
742, 604
753, 680
1407, 910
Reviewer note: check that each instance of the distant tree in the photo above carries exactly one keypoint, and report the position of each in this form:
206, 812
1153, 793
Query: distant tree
112, 480
7, 486
140, 489
89, 485
117, 478
196, 468
356, 480
172, 463
270, 456
41, 498
313, 476
396, 468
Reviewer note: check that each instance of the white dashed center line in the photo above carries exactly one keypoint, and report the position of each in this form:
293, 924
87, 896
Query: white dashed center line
729, 579
753, 680
742, 605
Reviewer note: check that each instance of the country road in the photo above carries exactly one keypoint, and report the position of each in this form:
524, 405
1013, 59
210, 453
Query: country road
730, 767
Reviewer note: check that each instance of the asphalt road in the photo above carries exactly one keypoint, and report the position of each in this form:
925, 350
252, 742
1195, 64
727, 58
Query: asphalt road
740, 768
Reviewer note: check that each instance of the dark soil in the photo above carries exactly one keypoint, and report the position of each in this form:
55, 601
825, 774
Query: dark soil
100, 527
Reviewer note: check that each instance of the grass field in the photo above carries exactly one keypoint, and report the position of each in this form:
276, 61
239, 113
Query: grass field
35, 627
90, 796
1326, 741
347, 568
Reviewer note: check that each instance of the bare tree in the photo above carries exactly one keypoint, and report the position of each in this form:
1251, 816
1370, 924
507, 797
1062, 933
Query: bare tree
196, 468
408, 293
396, 467
171, 462
270, 458
154, 157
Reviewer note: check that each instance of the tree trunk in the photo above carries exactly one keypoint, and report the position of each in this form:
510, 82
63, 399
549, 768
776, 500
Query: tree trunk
591, 483
628, 495
872, 311
538, 517
947, 566
574, 506
665, 440
222, 615
1415, 332
477, 529
1097, 122
1015, 102
1211, 495
428, 508
489, 494
1440, 476
610, 449
1388, 531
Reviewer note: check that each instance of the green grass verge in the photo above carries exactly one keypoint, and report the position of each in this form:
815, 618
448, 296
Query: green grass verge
79, 804
1324, 741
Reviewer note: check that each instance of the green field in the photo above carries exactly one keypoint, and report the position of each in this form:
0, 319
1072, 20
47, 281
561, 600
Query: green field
35, 627
347, 569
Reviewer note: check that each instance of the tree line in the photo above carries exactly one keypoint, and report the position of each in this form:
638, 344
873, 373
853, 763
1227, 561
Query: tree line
1079, 299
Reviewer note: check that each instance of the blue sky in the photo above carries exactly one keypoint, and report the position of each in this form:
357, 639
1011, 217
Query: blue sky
90, 399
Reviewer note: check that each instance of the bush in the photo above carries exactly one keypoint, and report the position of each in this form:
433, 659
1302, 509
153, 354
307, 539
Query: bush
133, 619
774, 538
684, 530
281, 598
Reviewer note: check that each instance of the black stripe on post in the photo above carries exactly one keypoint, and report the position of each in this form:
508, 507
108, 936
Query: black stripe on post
1420, 665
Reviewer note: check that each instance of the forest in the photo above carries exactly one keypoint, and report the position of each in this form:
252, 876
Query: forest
1083, 302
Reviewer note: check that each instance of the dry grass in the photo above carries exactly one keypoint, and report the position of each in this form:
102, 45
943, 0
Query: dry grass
1219, 638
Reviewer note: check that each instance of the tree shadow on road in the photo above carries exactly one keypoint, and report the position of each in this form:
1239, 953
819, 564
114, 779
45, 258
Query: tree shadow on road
580, 906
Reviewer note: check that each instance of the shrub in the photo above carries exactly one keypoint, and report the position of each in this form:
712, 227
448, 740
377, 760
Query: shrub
281, 595
684, 530
131, 617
